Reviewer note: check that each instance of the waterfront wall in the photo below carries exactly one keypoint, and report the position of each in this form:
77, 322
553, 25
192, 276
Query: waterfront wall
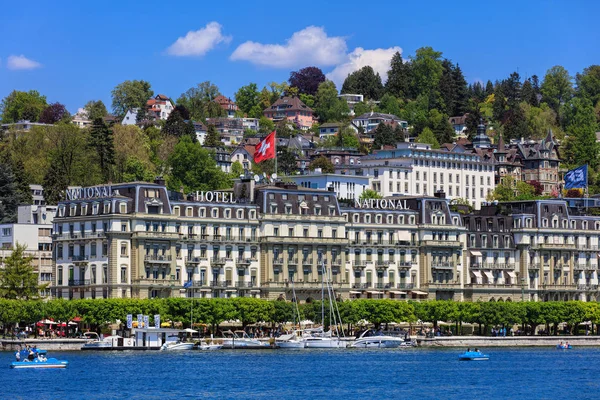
46, 344
510, 341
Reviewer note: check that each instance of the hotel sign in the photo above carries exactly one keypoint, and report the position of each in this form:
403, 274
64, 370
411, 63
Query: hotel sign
216, 197
88, 192
381, 204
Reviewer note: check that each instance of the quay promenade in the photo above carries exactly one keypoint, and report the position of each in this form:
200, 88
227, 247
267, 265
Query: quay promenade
508, 341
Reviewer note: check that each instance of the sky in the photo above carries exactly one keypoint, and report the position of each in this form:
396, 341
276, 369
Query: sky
73, 52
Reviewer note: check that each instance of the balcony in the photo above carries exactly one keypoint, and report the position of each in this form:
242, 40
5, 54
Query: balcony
192, 261
80, 260
218, 262
404, 264
585, 267
382, 265
157, 258
495, 266
443, 265
587, 287
359, 264
534, 266
444, 285
441, 243
79, 282
292, 261
360, 286
558, 287
278, 261
161, 283
405, 286
220, 284
336, 263
241, 262
551, 246
155, 235
307, 261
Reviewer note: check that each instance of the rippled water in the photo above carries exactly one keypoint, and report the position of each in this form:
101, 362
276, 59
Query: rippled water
310, 374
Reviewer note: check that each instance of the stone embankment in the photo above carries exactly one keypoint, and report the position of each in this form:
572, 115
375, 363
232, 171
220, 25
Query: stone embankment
509, 341
46, 344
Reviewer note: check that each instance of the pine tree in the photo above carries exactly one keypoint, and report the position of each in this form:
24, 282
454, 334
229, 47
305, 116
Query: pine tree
22, 182
101, 139
212, 138
55, 183
398, 77
489, 88
18, 278
364, 81
447, 88
528, 93
515, 125
384, 136
462, 96
581, 126
9, 197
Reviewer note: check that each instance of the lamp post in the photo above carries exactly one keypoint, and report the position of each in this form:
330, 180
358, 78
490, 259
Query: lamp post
522, 289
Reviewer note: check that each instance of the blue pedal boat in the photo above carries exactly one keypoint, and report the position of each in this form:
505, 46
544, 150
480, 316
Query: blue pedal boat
38, 362
473, 356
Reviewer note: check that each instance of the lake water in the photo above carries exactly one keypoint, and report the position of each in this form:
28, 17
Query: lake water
531, 373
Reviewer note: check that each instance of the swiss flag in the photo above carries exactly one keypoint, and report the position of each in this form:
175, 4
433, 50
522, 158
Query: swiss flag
265, 150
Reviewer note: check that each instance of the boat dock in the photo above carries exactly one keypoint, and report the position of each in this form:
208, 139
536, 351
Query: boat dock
508, 341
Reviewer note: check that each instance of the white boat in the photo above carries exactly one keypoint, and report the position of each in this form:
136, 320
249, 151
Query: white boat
290, 341
376, 339
97, 343
177, 345
325, 343
241, 340
209, 347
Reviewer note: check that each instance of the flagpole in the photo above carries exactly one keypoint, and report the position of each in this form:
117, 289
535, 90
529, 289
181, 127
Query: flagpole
275, 136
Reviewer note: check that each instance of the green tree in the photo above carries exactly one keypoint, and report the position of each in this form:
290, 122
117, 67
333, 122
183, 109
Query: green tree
528, 94
101, 140
557, 87
132, 154
135, 170
384, 136
580, 125
307, 80
362, 108
19, 106
328, 106
266, 125
10, 198
322, 162
346, 138
364, 81
178, 127
95, 109
18, 278
515, 124
194, 168
441, 127
588, 83
212, 139
399, 77
390, 105
199, 101
307, 99
369, 194
130, 94
427, 136
247, 98
55, 182
286, 161
427, 70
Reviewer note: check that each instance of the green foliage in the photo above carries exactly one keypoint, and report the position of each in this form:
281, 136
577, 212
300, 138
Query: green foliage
557, 87
588, 84
247, 98
427, 136
386, 135
199, 101
345, 138
511, 190
19, 106
370, 194
364, 81
328, 106
130, 94
101, 140
95, 109
322, 162
362, 108
580, 125
194, 168
286, 161
18, 278
212, 139
178, 127
398, 83
266, 125
427, 70
390, 105
441, 127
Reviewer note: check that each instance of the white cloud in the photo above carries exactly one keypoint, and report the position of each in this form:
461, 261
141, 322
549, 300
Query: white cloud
21, 62
378, 59
200, 42
310, 46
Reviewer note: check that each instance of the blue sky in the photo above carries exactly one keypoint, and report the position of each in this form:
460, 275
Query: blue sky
73, 52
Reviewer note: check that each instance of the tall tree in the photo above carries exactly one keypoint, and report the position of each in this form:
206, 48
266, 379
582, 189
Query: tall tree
19, 278
489, 88
515, 124
101, 140
390, 105
447, 88
512, 89
176, 126
398, 82
557, 87
364, 81
307, 80
247, 99
461, 99
9, 197
55, 182
428, 137
287, 161
194, 168
212, 139
23, 190
198, 100
528, 93
588, 83
441, 127
581, 126
384, 136
322, 162
19, 106
328, 107
427, 70
130, 94
132, 153
54, 113
95, 109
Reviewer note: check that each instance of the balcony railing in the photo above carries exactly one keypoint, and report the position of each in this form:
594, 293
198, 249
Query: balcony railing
441, 243
442, 265
307, 261
359, 286
587, 287
278, 261
218, 261
585, 267
292, 261
158, 258
406, 286
193, 260
79, 282
80, 258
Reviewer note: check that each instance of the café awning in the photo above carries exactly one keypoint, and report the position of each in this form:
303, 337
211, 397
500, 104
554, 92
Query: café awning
512, 274
489, 275
396, 292
354, 292
475, 253
418, 292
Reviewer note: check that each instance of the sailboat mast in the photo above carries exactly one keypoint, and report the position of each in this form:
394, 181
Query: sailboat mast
323, 295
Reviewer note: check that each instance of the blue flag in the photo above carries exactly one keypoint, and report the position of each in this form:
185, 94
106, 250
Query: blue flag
576, 178
188, 284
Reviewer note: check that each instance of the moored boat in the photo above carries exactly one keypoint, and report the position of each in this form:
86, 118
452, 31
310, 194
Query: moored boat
290, 341
376, 339
473, 356
209, 347
241, 340
177, 345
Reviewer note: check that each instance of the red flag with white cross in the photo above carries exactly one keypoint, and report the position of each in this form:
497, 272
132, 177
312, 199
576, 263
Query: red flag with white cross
265, 150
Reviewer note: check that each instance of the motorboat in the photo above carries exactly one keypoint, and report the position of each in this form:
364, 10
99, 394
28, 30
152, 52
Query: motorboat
209, 347
96, 343
37, 360
290, 341
241, 340
376, 339
324, 340
473, 356
177, 345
